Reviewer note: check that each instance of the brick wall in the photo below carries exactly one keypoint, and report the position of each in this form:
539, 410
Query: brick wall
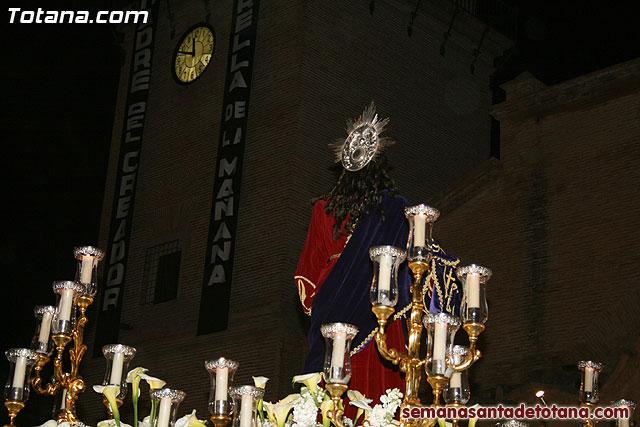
556, 219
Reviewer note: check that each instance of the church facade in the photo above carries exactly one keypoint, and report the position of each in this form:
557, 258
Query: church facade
224, 115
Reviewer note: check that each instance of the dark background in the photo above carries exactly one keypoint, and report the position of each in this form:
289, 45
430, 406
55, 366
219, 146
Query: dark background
59, 89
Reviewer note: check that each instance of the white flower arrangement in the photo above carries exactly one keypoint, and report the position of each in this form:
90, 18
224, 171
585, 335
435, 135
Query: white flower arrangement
302, 409
305, 409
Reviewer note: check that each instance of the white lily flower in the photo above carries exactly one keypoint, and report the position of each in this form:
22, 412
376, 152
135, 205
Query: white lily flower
355, 395
270, 414
311, 381
362, 404
189, 420
133, 378
260, 382
154, 383
283, 407
50, 423
290, 398
326, 407
110, 392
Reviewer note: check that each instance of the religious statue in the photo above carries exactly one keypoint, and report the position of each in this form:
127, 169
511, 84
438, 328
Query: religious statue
334, 271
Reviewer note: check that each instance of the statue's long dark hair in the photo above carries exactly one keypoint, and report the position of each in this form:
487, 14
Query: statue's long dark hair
356, 192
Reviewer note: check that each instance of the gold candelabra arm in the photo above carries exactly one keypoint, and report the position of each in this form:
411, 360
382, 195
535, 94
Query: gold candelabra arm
79, 348
336, 390
473, 354
383, 313
392, 355
48, 389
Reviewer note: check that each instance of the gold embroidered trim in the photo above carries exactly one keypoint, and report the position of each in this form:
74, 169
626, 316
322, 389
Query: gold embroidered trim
334, 256
363, 343
449, 282
302, 293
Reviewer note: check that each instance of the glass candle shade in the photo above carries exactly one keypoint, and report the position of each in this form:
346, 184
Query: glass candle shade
221, 371
87, 269
65, 317
21, 361
474, 279
245, 400
457, 391
589, 372
41, 341
384, 287
441, 330
421, 219
118, 357
167, 401
337, 361
514, 423
631, 406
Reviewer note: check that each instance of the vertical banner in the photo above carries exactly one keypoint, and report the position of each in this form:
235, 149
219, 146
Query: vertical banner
218, 270
110, 304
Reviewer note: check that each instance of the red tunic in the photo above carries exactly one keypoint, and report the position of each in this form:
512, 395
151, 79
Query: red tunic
371, 375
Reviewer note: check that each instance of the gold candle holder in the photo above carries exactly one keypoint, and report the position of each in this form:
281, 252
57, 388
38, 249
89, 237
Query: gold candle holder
13, 407
220, 420
336, 391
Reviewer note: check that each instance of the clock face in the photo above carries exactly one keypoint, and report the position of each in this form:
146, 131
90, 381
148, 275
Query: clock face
193, 53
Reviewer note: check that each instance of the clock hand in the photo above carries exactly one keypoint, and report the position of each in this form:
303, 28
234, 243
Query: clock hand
194, 46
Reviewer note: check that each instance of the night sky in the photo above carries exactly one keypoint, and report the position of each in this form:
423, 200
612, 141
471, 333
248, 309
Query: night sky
59, 93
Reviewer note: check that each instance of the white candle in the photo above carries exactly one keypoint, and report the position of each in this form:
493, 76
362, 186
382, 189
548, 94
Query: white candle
473, 290
439, 341
63, 403
222, 379
164, 413
623, 422
588, 380
20, 372
456, 380
384, 281
246, 410
45, 328
337, 353
86, 271
419, 230
116, 369
66, 302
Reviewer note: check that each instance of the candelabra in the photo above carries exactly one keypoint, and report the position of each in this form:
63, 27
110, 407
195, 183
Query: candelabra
623, 421
64, 325
337, 364
221, 371
439, 362
589, 394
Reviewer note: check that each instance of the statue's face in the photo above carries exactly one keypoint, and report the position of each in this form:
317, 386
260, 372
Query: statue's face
359, 147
